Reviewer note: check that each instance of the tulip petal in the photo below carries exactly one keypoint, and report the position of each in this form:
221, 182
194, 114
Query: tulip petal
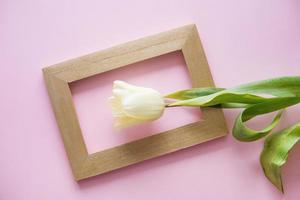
144, 106
124, 122
133, 105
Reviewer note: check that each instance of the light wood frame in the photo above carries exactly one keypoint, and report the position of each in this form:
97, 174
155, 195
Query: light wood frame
59, 76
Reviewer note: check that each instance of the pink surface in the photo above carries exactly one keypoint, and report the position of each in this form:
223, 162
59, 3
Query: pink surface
243, 42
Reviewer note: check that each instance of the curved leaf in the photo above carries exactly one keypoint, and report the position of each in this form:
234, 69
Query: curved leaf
275, 153
243, 133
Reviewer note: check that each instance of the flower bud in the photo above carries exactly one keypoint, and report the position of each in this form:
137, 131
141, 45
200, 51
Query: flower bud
133, 105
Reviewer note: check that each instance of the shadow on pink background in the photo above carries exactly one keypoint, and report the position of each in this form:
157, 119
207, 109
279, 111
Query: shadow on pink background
243, 41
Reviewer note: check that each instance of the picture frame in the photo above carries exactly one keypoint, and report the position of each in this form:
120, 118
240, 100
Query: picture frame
58, 78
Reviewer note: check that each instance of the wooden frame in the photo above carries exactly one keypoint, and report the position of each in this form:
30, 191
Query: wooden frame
59, 76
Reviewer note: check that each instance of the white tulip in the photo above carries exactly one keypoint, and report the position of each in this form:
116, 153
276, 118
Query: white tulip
133, 105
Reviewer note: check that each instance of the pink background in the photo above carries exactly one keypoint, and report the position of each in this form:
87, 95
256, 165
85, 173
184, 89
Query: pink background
243, 42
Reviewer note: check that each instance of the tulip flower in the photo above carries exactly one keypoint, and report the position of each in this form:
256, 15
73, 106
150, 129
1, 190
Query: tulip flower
132, 105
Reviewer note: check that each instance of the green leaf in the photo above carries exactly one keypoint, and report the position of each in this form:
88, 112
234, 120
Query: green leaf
275, 153
221, 98
242, 133
231, 105
193, 93
199, 92
282, 87
271, 105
